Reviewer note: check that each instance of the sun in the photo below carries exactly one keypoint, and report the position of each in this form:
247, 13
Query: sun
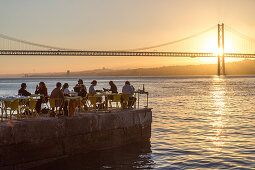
210, 45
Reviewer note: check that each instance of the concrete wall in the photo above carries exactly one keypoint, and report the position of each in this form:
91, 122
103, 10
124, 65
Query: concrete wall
36, 141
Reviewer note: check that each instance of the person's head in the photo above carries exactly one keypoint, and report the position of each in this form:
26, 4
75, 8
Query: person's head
58, 85
65, 86
80, 81
111, 83
127, 82
42, 85
23, 85
94, 82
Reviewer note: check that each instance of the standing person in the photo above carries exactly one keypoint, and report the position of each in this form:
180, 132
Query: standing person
129, 89
65, 89
42, 90
22, 91
78, 86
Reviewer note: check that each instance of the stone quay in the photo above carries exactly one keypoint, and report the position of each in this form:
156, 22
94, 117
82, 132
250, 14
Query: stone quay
32, 142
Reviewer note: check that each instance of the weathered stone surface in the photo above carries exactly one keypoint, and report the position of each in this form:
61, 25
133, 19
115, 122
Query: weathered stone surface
27, 141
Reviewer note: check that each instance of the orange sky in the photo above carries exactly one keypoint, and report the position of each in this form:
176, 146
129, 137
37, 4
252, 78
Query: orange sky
113, 24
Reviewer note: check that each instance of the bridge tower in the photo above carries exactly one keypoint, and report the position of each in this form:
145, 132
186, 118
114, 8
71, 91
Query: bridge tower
221, 58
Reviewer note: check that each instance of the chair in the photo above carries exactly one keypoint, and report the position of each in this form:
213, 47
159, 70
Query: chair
127, 101
56, 103
84, 102
116, 98
13, 106
93, 102
31, 107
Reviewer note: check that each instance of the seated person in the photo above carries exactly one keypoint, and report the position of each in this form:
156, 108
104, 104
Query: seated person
92, 90
83, 94
41, 89
128, 89
65, 89
22, 91
57, 94
78, 86
113, 89
83, 91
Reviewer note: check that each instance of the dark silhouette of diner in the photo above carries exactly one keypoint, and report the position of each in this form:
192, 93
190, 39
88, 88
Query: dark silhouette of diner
130, 90
77, 87
22, 91
67, 100
83, 91
42, 90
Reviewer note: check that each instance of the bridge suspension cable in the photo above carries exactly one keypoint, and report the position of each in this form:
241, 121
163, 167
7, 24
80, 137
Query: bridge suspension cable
31, 43
241, 43
172, 42
230, 29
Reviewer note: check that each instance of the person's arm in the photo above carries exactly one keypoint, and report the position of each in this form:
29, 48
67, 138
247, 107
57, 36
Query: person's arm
132, 90
26, 93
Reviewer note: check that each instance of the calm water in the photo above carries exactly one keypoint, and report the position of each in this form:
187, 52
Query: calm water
198, 122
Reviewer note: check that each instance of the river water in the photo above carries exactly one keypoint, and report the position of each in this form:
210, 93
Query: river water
198, 122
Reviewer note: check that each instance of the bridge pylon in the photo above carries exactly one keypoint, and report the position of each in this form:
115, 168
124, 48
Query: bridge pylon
221, 57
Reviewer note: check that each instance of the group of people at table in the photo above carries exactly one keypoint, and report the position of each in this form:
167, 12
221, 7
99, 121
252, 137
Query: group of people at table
60, 92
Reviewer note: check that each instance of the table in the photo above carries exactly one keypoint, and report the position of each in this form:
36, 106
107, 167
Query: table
6, 102
138, 92
73, 102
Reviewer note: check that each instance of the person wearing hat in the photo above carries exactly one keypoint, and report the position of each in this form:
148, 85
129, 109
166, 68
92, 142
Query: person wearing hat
92, 88
22, 91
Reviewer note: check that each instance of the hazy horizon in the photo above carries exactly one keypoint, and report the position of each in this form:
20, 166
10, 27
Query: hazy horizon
117, 25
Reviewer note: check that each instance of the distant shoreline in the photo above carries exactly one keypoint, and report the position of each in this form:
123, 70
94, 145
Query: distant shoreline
240, 68
171, 76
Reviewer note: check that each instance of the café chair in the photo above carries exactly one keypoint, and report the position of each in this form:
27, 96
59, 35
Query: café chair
12, 106
31, 108
126, 101
55, 104
93, 103
116, 98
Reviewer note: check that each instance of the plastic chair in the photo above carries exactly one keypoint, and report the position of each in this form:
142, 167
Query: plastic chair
31, 107
127, 101
116, 98
93, 102
56, 103
13, 106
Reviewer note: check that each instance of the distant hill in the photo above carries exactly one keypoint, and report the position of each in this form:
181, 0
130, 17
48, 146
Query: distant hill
245, 67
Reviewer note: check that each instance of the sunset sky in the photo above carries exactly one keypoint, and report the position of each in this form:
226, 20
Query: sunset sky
113, 25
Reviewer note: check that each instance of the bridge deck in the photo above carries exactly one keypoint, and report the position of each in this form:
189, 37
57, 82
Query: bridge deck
120, 53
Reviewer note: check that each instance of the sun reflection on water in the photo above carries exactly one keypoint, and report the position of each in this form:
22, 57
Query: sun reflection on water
218, 120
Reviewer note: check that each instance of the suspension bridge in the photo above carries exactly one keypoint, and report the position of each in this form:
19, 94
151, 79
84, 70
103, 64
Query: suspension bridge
14, 46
